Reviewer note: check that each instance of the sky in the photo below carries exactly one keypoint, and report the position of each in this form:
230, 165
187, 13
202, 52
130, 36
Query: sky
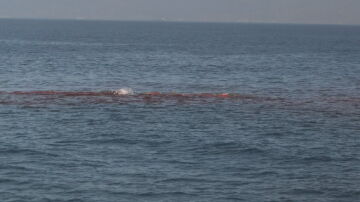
272, 11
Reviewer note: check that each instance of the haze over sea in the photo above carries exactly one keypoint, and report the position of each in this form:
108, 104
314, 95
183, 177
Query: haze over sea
219, 112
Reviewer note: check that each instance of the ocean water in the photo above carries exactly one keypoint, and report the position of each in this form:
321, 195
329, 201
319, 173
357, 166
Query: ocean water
155, 111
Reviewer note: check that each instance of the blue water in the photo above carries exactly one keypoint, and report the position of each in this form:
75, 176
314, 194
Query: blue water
291, 133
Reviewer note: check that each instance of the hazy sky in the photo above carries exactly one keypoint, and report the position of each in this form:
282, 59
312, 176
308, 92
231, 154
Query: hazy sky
284, 11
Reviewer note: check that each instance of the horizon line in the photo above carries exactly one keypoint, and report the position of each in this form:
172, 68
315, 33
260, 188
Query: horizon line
175, 21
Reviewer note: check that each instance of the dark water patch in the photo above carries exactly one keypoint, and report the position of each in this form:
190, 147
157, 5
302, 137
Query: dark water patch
318, 159
191, 180
116, 141
27, 152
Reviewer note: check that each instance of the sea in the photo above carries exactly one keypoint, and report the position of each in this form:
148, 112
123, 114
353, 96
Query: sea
163, 111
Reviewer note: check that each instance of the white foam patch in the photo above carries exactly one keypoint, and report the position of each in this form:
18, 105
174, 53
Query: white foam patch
123, 91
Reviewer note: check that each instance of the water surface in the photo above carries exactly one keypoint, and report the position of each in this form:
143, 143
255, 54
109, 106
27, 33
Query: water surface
219, 112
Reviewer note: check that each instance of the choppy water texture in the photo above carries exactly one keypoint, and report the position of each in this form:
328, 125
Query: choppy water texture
135, 111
